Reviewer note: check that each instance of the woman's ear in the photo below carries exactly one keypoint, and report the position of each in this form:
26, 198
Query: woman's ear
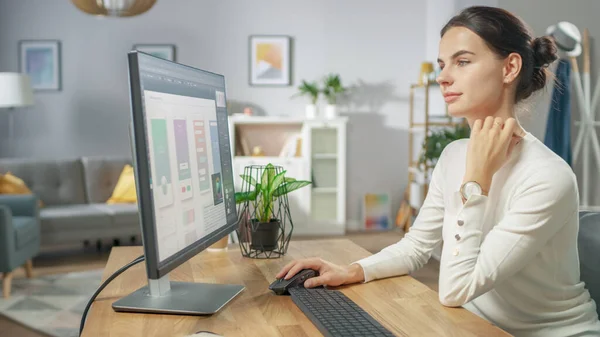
512, 67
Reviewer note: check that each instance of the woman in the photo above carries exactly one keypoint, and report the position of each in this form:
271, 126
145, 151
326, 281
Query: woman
505, 206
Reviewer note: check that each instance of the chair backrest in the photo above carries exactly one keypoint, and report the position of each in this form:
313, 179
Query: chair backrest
589, 252
55, 182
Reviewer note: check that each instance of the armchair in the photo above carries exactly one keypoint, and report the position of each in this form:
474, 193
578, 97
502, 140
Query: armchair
589, 248
19, 236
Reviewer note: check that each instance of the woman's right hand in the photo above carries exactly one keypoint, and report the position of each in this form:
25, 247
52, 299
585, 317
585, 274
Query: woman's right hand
329, 273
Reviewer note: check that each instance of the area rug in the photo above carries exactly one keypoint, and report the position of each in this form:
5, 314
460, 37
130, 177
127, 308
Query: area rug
52, 304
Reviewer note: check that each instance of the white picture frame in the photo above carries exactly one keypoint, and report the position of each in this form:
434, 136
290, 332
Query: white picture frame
270, 60
41, 61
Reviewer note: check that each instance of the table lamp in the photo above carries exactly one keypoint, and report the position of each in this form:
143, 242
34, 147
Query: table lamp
15, 92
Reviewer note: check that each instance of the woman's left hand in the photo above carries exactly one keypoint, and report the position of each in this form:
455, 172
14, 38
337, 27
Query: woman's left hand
490, 144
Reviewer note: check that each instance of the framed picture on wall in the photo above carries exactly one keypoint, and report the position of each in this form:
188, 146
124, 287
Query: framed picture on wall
41, 61
165, 51
270, 60
376, 211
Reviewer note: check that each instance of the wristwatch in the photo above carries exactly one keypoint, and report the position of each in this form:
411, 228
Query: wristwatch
470, 188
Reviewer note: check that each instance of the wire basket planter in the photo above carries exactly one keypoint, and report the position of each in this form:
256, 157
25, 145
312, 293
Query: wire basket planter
265, 223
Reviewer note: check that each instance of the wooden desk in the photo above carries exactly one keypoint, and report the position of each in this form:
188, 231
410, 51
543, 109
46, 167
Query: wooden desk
402, 304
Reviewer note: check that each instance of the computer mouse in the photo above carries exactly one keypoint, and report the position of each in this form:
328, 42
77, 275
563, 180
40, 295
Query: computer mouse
281, 286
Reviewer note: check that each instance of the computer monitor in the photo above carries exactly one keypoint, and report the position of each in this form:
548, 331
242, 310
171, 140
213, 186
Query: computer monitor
184, 180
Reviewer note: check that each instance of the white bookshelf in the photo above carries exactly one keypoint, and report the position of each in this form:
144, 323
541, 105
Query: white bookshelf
319, 208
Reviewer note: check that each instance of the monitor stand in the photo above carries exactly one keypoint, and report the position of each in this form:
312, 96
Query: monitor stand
182, 298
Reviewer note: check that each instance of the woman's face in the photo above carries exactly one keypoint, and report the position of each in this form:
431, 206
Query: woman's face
472, 75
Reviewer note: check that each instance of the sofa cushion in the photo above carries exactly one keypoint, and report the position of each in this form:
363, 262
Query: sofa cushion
26, 230
101, 176
122, 214
73, 217
589, 250
55, 182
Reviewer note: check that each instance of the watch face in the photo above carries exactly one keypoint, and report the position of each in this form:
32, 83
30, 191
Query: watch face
472, 188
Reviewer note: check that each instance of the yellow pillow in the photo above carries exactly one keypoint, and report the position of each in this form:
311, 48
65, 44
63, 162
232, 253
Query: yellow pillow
11, 184
124, 191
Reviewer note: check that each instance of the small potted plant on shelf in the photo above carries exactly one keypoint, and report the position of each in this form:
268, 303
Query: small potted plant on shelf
332, 88
310, 89
262, 197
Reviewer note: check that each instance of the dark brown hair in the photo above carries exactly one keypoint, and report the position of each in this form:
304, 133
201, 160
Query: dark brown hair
505, 33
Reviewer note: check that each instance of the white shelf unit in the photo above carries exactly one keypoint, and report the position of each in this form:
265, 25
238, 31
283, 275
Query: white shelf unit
320, 208
325, 146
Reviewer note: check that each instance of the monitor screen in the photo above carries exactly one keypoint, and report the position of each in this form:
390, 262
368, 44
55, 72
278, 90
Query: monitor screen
184, 119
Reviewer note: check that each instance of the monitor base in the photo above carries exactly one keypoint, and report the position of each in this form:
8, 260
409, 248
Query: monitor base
182, 299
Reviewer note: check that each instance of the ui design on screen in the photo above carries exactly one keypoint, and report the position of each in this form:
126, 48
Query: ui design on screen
186, 178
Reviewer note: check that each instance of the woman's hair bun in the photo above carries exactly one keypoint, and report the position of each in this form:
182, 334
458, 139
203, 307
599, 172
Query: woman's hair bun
544, 53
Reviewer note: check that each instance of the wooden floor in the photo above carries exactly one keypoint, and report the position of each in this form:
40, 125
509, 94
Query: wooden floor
90, 258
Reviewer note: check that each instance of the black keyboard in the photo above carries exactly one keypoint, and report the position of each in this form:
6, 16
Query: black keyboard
334, 314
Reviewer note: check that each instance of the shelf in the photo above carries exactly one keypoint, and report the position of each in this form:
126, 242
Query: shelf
277, 120
431, 84
325, 156
313, 150
324, 190
413, 169
269, 158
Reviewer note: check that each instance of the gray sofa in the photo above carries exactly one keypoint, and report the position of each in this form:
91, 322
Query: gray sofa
74, 193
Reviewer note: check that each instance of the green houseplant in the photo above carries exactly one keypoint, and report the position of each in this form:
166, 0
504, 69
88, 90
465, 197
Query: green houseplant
262, 195
437, 140
312, 91
332, 89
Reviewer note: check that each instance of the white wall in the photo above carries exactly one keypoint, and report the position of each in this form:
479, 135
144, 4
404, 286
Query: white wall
376, 46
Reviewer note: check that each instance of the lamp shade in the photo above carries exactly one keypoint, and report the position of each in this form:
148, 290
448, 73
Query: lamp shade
114, 7
15, 90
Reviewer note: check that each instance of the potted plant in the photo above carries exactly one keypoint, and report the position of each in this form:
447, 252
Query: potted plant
310, 89
263, 195
437, 140
332, 88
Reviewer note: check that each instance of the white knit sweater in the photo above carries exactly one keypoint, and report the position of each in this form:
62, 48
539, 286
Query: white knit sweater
510, 257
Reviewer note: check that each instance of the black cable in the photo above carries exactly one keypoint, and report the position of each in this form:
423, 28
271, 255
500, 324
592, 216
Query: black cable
108, 280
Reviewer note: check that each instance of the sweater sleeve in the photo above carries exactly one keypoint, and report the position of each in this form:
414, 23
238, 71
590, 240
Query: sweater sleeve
415, 248
540, 206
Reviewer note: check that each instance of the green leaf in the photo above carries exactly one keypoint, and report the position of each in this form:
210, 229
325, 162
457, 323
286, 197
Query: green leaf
241, 197
289, 187
309, 89
332, 87
249, 179
271, 174
264, 180
247, 195
288, 179
267, 177
277, 180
